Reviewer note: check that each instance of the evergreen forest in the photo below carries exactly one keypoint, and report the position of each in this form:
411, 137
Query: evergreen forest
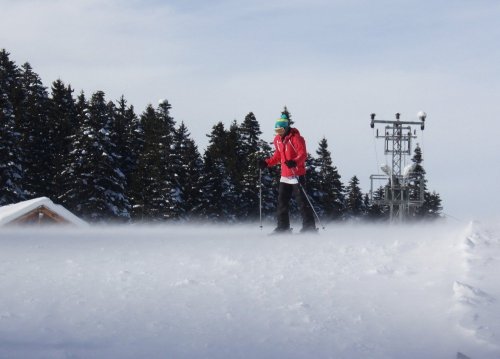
105, 162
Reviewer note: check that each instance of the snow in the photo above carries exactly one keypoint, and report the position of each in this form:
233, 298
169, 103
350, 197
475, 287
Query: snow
185, 291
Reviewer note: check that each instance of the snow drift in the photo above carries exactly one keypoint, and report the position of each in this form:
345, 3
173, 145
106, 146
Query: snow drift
233, 292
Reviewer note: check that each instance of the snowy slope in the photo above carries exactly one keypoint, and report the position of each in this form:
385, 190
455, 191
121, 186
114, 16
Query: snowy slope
233, 292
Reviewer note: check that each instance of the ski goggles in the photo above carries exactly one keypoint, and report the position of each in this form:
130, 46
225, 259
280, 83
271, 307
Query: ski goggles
279, 130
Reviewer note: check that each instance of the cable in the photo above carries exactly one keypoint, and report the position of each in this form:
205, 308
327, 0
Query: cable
453, 217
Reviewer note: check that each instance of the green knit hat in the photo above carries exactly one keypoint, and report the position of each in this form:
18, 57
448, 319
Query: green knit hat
282, 122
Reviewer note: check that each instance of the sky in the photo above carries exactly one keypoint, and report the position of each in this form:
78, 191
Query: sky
332, 63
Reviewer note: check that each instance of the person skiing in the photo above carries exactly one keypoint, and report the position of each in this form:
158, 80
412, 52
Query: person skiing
290, 152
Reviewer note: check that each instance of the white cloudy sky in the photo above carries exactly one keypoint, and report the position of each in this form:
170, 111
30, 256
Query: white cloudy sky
331, 62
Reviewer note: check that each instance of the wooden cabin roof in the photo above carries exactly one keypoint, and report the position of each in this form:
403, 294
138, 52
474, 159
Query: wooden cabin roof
37, 211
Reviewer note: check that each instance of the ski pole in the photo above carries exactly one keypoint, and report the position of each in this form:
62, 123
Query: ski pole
308, 199
260, 197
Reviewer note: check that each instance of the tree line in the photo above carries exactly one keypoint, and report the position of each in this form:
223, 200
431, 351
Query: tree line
104, 162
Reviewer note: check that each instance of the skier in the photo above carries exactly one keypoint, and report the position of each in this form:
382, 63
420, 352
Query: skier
290, 152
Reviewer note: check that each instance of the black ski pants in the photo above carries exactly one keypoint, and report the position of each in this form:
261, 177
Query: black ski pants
284, 196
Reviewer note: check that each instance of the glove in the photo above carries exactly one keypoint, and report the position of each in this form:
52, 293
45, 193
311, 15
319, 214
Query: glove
261, 163
291, 163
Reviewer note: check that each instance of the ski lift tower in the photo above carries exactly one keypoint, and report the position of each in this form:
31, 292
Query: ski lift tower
398, 137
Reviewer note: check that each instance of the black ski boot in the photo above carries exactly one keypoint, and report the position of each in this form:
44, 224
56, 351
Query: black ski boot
308, 230
279, 230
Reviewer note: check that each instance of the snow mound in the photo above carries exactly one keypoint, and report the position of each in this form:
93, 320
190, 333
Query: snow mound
472, 296
477, 291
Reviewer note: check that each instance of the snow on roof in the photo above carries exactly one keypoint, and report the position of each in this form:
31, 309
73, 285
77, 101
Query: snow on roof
10, 212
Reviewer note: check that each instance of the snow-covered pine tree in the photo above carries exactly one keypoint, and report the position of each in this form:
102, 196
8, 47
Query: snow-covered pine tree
431, 207
94, 185
163, 113
168, 124
250, 152
417, 180
76, 176
187, 166
131, 145
375, 211
155, 202
329, 193
234, 161
61, 127
217, 185
252, 148
216, 189
114, 145
270, 183
11, 171
288, 114
34, 126
121, 134
366, 204
11, 79
354, 199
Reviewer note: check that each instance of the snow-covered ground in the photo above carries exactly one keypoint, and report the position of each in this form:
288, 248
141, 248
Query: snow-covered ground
354, 291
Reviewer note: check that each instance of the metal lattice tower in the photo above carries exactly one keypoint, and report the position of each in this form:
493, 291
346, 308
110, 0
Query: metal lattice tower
398, 144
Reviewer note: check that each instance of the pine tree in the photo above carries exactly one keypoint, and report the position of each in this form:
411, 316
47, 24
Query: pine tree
431, 209
167, 123
329, 193
130, 145
249, 132
11, 83
431, 206
155, 202
375, 210
354, 200
163, 113
417, 182
94, 184
110, 179
234, 161
366, 204
11, 171
216, 189
250, 151
76, 175
287, 114
35, 128
61, 127
187, 166
218, 192
269, 183
124, 119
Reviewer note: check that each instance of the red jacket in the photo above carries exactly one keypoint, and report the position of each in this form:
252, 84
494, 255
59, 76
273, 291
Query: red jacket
291, 147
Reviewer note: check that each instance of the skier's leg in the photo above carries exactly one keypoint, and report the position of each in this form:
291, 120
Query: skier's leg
306, 211
284, 196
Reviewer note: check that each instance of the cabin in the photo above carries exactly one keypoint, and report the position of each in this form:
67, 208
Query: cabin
38, 211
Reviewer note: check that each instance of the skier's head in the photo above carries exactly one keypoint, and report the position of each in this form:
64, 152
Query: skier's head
282, 125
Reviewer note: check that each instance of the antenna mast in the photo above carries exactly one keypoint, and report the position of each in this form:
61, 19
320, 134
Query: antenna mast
398, 144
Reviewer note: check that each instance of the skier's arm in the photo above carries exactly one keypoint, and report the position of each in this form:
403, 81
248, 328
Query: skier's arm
274, 159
